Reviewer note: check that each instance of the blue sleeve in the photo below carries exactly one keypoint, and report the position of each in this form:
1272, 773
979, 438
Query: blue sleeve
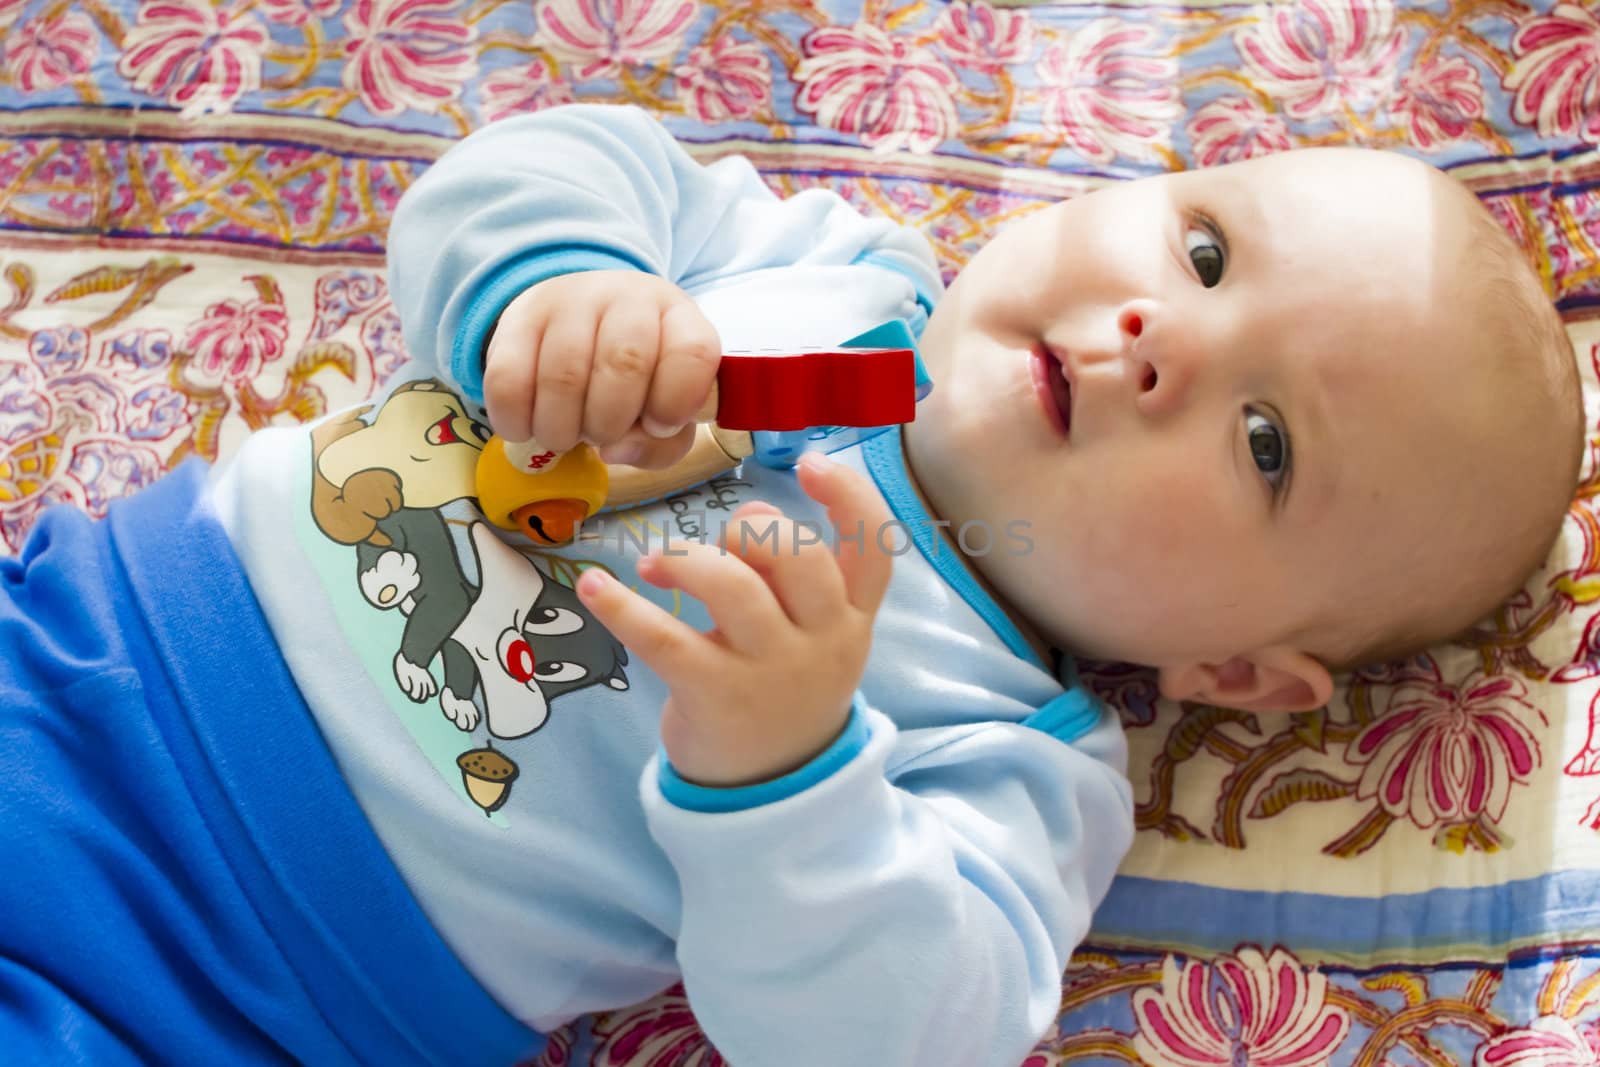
590, 187
916, 905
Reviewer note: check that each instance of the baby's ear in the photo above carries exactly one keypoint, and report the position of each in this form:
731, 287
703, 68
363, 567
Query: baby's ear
1273, 679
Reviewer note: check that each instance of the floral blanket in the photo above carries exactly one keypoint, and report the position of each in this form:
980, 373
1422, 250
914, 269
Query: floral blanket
193, 202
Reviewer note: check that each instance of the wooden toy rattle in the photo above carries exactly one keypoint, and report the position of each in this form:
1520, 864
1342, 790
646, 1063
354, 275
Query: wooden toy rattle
775, 405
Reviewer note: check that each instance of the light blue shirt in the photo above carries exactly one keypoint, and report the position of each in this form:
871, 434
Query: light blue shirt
912, 895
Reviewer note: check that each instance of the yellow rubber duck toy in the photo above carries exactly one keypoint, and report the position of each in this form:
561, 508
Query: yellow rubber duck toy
539, 493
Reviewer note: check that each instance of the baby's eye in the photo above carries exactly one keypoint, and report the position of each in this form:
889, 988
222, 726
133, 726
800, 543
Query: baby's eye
1269, 447
1206, 253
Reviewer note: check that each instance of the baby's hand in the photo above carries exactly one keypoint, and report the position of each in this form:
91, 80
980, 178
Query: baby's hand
621, 359
770, 687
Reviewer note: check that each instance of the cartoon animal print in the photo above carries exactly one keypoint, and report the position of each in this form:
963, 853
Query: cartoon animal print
378, 486
529, 640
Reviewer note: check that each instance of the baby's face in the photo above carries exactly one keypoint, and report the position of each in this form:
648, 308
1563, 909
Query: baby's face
1228, 404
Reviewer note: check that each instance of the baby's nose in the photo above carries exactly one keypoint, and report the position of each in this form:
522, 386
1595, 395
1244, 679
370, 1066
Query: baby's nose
1130, 324
1160, 361
1113, 339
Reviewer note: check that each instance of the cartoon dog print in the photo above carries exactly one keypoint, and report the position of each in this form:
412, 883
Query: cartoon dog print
378, 486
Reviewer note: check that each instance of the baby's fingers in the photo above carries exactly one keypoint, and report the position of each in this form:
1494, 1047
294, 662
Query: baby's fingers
510, 369
624, 360
861, 521
565, 361
736, 597
795, 560
671, 647
690, 354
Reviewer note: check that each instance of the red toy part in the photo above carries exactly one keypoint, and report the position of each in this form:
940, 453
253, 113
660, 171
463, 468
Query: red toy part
795, 390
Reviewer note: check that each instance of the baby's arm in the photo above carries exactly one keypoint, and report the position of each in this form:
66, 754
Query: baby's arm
593, 187
916, 908
903, 901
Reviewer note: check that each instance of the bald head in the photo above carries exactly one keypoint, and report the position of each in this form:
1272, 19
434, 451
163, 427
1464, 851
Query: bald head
1510, 445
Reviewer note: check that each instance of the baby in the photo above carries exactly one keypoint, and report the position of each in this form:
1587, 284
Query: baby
307, 763
1310, 412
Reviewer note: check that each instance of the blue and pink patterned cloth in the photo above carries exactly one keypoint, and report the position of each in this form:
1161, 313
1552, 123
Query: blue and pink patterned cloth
193, 205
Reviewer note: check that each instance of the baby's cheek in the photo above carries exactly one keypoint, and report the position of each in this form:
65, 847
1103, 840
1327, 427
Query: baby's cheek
1191, 540
1176, 512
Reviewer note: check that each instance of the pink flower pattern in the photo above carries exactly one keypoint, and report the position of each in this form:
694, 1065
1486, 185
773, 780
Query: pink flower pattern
975, 35
557, 1050
407, 54
1440, 101
660, 1033
607, 35
96, 413
1448, 753
726, 80
526, 88
881, 87
298, 12
1319, 55
1556, 76
1110, 90
235, 340
1245, 1010
1549, 1041
48, 52
1234, 128
204, 58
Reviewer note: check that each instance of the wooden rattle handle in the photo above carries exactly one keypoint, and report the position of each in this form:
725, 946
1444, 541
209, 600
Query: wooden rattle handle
714, 451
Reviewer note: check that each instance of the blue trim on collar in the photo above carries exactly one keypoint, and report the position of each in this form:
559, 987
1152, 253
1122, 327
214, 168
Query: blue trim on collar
1068, 716
886, 463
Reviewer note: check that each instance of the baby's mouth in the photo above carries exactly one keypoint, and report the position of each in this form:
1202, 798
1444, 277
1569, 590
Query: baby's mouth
1052, 387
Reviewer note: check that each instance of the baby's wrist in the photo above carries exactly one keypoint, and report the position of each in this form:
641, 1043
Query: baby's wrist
758, 756
693, 796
